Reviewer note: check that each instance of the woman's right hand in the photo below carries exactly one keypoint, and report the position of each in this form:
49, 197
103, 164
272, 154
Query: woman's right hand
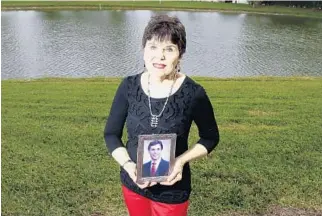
130, 168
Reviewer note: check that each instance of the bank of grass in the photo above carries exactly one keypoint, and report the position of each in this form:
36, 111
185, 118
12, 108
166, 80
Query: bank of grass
54, 160
156, 5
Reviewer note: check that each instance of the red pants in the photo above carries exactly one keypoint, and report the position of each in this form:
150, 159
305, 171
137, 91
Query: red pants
138, 205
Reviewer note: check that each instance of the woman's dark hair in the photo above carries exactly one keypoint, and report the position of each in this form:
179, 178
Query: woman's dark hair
164, 27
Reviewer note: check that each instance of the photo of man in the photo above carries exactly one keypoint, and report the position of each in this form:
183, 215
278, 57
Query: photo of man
157, 166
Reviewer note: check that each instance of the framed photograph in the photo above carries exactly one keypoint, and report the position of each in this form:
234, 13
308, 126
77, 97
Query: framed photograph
155, 157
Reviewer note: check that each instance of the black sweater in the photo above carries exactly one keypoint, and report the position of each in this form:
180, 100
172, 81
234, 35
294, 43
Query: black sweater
189, 103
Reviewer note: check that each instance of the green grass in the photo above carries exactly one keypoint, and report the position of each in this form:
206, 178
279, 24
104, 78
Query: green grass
155, 5
54, 160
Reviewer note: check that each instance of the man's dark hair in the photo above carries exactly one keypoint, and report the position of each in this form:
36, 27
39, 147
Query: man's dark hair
155, 142
164, 27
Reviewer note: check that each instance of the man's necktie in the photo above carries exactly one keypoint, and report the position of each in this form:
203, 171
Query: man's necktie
153, 169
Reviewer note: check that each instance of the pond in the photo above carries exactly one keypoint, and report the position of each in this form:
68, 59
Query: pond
38, 44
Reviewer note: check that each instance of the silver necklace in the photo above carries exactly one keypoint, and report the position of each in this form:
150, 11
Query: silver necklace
155, 118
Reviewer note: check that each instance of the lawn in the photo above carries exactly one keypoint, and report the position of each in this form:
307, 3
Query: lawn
54, 160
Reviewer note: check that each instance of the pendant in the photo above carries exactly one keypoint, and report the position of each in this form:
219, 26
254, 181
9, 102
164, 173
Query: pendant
154, 121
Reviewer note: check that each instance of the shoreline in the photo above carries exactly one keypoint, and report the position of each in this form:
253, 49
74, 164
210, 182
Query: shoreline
166, 6
28, 8
199, 78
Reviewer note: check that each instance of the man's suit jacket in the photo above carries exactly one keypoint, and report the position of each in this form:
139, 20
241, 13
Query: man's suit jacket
162, 170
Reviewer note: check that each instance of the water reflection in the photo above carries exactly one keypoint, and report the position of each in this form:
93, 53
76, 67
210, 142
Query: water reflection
284, 47
108, 43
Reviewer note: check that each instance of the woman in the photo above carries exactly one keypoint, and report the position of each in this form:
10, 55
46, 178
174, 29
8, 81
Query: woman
160, 100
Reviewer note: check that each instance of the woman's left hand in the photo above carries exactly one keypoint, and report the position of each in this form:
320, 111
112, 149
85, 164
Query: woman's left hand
176, 174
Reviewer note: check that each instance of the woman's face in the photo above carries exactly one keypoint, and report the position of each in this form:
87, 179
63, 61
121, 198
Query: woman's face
161, 58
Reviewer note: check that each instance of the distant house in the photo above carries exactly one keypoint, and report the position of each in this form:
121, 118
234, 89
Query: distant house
240, 1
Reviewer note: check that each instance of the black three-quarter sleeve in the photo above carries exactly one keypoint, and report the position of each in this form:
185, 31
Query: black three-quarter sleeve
203, 116
114, 125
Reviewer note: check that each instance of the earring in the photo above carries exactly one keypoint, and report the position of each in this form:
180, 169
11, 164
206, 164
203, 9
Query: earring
144, 68
178, 67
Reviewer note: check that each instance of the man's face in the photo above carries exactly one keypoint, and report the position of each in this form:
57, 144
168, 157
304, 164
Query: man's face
155, 152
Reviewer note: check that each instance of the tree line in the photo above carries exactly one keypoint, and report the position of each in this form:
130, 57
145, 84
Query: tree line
302, 4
